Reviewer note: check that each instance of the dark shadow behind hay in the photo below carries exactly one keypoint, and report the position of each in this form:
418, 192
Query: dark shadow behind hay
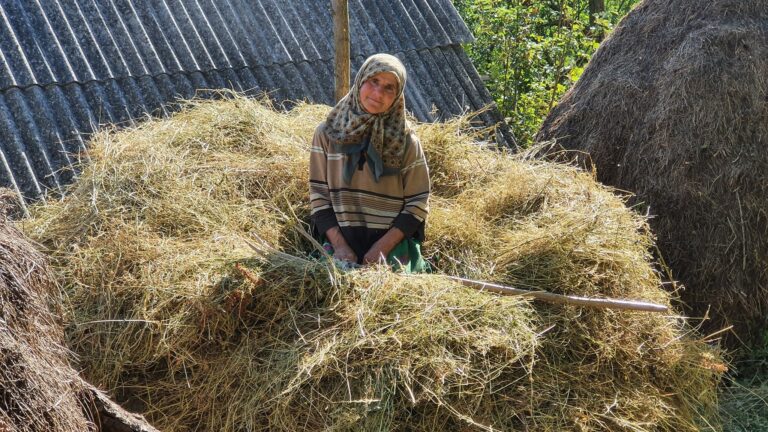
673, 107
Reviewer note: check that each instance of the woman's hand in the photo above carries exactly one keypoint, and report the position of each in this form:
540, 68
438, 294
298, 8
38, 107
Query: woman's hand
377, 254
345, 253
341, 250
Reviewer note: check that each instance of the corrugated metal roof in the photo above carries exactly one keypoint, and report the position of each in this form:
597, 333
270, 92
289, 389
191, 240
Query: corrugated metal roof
46, 41
68, 66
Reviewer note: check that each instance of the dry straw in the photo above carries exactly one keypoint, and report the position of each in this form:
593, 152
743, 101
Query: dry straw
179, 317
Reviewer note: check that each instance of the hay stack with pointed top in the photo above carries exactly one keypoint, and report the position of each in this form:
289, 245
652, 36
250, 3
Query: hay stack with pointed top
672, 107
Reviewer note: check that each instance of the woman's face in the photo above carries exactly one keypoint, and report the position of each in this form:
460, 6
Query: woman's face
378, 92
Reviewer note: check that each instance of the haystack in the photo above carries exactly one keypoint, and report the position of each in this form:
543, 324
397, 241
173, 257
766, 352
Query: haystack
672, 107
175, 312
38, 389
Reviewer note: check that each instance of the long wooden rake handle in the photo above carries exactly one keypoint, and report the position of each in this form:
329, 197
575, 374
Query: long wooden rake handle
562, 299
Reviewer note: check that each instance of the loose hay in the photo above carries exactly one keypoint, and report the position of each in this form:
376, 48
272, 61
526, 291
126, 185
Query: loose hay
673, 108
176, 314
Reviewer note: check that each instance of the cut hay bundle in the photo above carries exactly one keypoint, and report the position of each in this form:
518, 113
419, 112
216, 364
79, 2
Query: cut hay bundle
673, 108
38, 389
173, 310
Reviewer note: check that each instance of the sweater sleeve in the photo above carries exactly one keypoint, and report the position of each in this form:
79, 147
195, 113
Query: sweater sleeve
322, 215
416, 188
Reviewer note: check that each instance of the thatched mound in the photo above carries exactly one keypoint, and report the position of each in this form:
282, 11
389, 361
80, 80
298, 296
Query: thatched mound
173, 311
673, 108
38, 389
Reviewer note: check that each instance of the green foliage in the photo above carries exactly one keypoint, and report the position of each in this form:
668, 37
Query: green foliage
532, 51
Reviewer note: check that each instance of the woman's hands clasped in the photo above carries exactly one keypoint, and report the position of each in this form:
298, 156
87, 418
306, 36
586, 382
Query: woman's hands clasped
377, 254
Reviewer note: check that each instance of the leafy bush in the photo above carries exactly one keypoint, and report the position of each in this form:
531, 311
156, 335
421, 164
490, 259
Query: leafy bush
532, 51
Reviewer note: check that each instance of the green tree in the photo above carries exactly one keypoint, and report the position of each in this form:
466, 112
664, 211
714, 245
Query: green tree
532, 51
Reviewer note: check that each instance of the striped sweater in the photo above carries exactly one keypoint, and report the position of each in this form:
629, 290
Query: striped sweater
394, 201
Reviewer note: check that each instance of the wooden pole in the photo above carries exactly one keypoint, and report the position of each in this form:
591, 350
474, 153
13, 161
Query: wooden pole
341, 45
108, 415
596, 7
563, 299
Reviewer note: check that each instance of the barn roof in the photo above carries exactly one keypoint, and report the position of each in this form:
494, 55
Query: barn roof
68, 66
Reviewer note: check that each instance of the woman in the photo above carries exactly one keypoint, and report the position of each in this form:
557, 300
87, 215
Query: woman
368, 178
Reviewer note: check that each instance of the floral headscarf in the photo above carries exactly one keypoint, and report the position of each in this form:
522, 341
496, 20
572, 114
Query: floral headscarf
382, 136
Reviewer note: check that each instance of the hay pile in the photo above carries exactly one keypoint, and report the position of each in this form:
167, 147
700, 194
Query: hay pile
173, 311
38, 389
673, 108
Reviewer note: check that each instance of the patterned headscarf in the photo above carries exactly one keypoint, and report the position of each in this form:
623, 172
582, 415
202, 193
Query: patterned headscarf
348, 124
